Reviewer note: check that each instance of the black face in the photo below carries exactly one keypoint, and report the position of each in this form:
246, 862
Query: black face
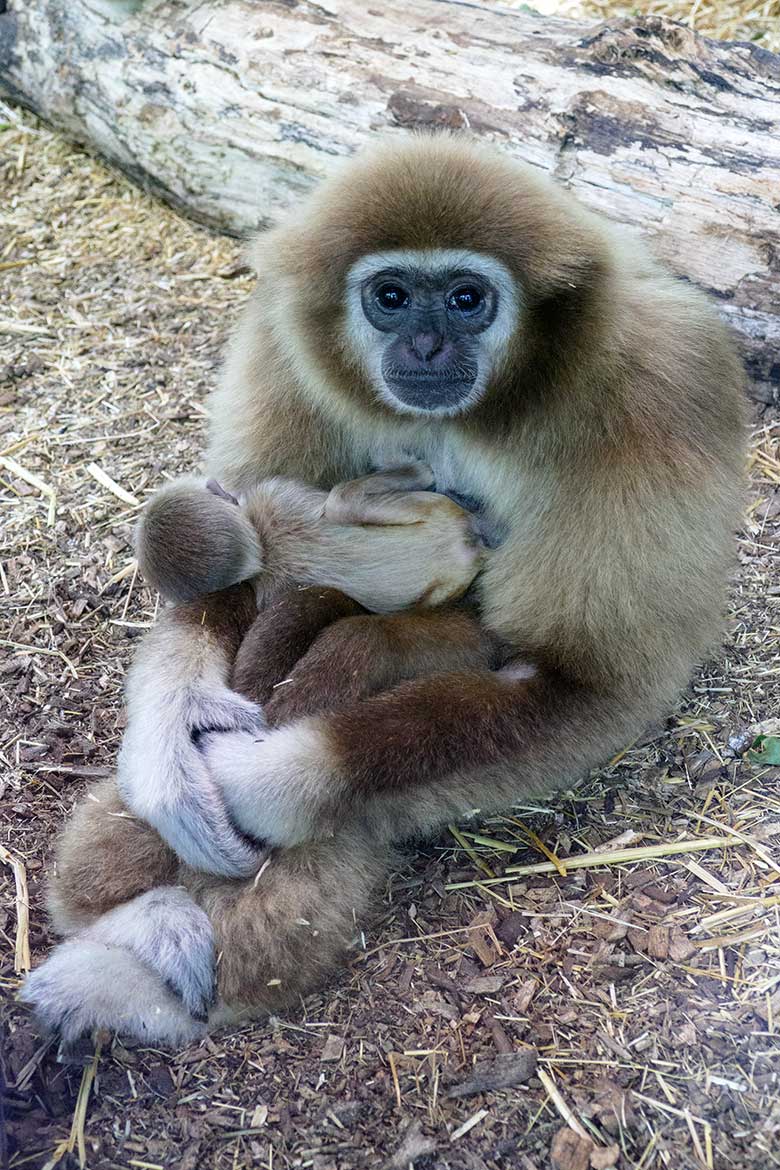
434, 321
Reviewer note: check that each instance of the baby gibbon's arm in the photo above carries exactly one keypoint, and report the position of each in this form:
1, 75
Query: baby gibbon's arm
384, 539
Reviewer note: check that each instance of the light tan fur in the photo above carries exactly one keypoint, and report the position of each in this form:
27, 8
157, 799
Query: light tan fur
281, 932
278, 937
606, 447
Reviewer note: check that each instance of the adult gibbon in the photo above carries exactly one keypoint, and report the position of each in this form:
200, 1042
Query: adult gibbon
438, 302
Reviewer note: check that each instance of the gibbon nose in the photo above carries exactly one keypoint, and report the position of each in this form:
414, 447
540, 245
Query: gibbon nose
426, 345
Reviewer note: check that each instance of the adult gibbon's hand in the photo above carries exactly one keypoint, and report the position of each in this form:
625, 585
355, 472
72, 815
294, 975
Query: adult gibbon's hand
176, 690
281, 788
163, 777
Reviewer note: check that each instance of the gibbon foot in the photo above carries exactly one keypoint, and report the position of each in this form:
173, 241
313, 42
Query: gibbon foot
171, 934
145, 969
281, 780
85, 985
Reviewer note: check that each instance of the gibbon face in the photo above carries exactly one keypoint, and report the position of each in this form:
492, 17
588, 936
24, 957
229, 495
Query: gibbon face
430, 325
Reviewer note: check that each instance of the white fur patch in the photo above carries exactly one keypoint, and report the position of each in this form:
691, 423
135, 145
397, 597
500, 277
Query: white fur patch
174, 691
275, 789
518, 671
169, 932
86, 984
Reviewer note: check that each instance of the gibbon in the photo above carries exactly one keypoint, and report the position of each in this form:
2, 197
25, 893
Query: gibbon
434, 302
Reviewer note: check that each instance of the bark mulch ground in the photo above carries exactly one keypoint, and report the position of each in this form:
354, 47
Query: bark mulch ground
522, 1002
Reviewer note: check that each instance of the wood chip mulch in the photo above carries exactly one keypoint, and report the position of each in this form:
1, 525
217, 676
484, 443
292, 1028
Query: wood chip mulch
620, 1011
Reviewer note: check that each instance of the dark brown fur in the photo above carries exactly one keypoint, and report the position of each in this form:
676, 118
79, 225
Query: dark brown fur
274, 644
371, 654
225, 616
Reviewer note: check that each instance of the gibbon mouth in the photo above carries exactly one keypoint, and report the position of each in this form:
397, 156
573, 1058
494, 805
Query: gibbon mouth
428, 390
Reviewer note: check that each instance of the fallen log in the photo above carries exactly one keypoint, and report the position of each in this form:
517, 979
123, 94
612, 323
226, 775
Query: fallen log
230, 109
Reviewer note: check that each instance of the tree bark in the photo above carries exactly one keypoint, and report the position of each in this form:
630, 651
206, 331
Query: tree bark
231, 109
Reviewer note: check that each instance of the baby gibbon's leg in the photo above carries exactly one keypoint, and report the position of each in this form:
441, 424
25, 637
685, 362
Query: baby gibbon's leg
315, 649
278, 937
106, 855
139, 956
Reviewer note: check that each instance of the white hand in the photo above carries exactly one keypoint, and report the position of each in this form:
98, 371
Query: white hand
281, 789
163, 776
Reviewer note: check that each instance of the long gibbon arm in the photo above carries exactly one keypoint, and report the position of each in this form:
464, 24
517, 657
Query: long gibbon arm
380, 539
176, 689
412, 759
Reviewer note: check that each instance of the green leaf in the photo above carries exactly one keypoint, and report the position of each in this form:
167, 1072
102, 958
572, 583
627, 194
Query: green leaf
766, 750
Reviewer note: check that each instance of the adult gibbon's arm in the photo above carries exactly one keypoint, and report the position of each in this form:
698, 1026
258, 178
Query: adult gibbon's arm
620, 598
417, 757
177, 688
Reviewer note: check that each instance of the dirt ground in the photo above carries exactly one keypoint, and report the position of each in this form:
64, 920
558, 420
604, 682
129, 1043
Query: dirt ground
633, 1007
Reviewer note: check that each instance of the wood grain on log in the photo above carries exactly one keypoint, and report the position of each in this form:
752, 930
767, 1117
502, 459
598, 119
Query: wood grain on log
230, 109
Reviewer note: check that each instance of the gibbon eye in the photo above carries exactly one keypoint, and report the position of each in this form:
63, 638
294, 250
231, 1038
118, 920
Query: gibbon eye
391, 296
465, 300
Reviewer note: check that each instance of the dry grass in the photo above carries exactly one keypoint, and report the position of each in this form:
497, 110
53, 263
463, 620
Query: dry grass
648, 982
726, 20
